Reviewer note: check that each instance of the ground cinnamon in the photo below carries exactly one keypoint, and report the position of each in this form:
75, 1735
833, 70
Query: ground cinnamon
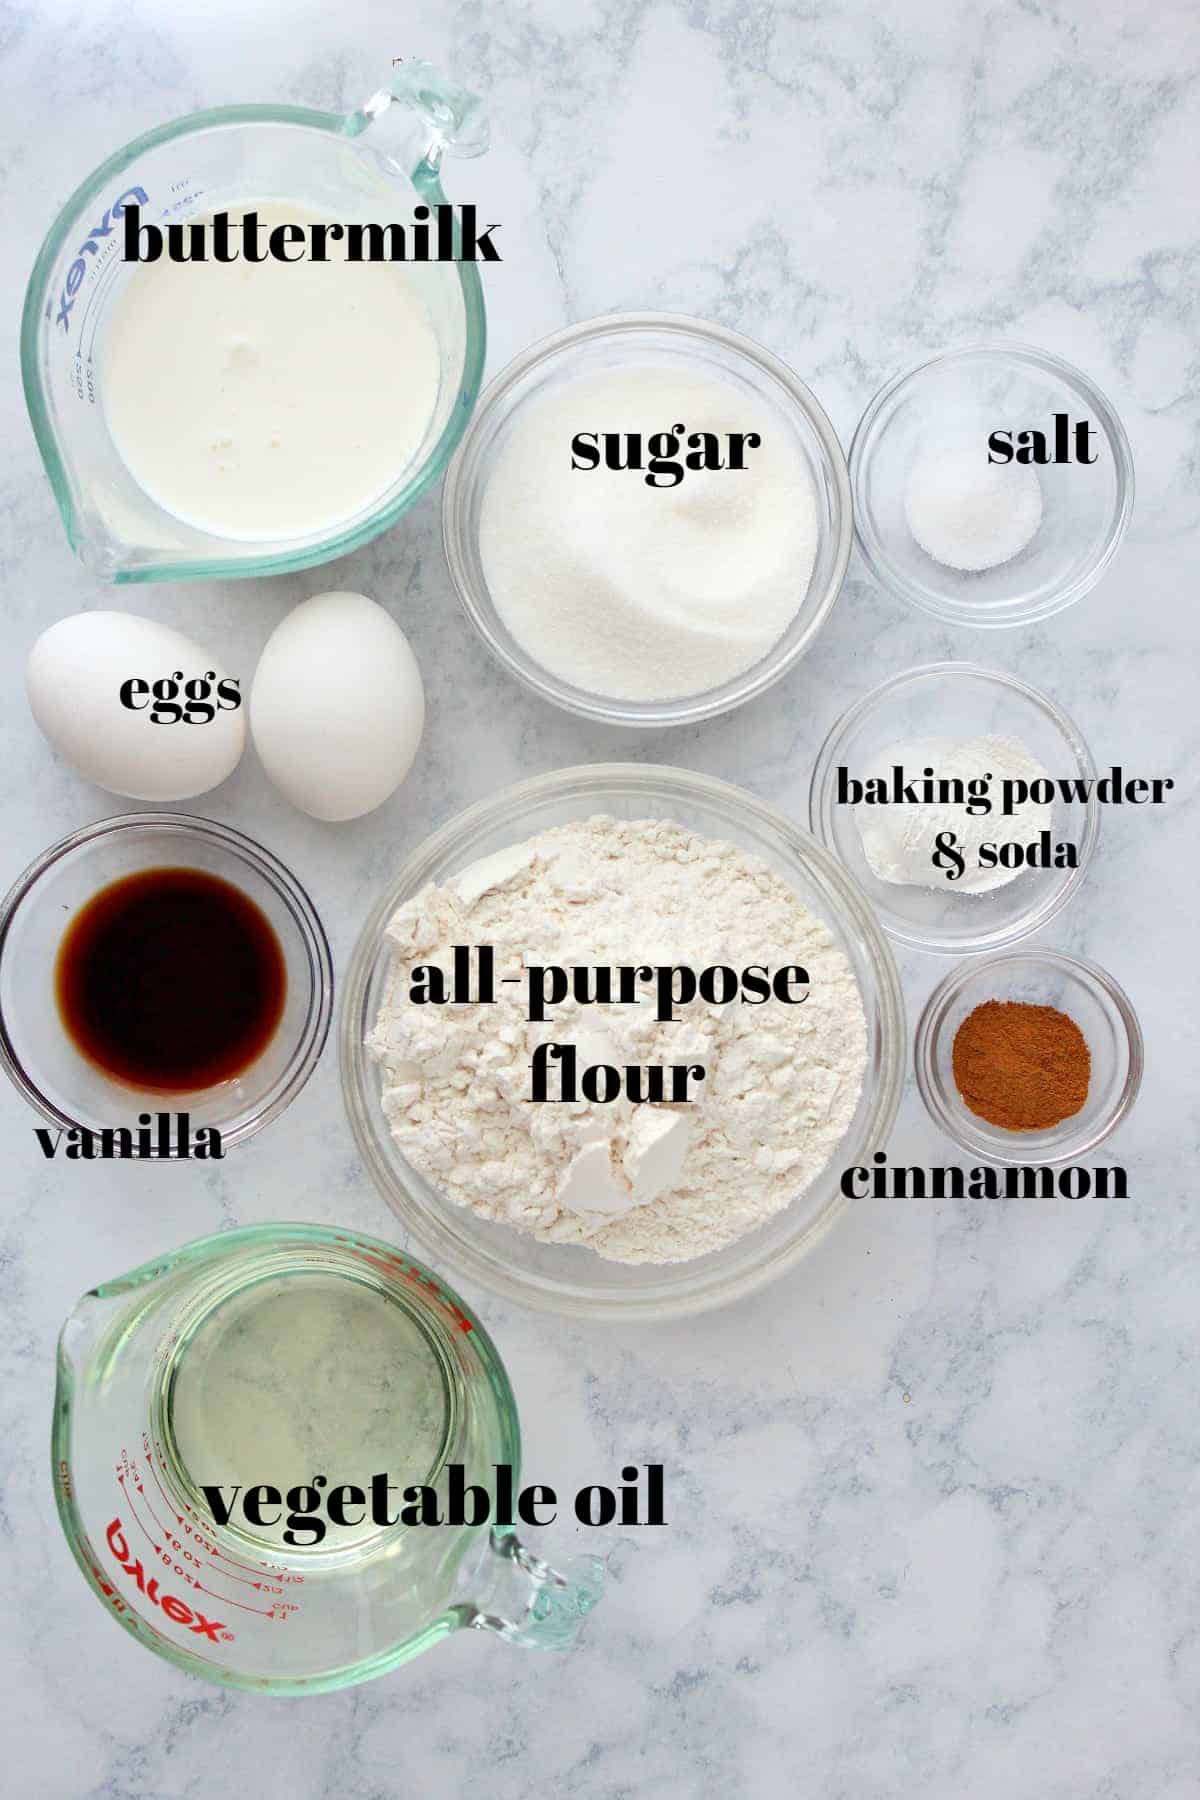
1019, 1066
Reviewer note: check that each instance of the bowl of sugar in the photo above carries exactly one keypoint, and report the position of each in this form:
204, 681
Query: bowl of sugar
648, 519
992, 486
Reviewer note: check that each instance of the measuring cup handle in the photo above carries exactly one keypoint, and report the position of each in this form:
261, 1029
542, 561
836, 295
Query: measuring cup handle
449, 120
532, 1604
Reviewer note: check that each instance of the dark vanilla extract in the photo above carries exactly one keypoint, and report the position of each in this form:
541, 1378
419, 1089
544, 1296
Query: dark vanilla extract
170, 980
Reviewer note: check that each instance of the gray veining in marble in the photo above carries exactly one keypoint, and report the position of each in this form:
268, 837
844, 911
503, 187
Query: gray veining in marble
934, 1501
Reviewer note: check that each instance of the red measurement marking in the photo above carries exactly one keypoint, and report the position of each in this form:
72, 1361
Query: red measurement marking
226, 1576
391, 1264
251, 1568
203, 1540
165, 1529
263, 1568
162, 1490
226, 1601
126, 1488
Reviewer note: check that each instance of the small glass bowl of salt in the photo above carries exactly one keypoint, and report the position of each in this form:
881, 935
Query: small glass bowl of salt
992, 486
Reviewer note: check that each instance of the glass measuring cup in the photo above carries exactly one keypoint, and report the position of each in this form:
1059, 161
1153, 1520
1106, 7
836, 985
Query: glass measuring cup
174, 1377
373, 164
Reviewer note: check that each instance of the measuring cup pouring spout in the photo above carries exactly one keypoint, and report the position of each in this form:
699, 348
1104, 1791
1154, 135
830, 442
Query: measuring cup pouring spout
373, 165
262, 1366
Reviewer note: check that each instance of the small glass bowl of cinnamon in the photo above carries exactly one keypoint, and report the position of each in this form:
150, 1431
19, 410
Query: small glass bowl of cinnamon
1000, 1044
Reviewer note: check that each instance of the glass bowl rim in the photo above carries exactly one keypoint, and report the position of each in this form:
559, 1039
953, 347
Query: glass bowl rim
480, 608
820, 786
932, 1021
315, 1029
960, 612
442, 1243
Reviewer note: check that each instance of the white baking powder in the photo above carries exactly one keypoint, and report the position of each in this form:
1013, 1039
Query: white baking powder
640, 592
899, 842
648, 1183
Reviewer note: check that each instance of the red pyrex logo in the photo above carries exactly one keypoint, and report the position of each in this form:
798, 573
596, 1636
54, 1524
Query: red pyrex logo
174, 1608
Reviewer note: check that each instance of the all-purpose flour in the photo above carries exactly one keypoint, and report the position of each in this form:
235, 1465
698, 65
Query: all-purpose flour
652, 1183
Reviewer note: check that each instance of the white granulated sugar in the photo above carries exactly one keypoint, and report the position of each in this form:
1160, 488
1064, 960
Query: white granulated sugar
899, 842
969, 514
651, 1183
637, 592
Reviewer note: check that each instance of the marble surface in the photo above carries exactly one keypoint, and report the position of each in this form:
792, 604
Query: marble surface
933, 1499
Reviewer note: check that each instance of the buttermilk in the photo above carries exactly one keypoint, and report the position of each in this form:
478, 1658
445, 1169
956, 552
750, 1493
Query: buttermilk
436, 234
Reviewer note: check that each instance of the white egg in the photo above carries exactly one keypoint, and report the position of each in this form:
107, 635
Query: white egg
74, 678
337, 707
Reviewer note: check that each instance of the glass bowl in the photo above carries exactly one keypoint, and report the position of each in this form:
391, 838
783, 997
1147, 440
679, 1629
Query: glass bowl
36, 1052
620, 340
1082, 990
992, 387
957, 700
571, 1278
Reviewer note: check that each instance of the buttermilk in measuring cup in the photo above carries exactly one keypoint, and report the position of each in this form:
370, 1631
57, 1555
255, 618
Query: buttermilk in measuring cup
269, 399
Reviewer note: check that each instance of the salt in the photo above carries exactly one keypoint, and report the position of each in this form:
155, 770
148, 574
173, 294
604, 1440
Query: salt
970, 514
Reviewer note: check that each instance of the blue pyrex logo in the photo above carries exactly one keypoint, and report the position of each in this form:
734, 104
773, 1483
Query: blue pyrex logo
77, 272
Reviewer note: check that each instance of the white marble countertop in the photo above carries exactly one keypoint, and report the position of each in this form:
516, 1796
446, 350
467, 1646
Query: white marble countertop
935, 1513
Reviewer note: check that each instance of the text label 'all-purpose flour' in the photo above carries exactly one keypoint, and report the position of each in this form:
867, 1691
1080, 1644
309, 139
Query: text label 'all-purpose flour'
649, 1183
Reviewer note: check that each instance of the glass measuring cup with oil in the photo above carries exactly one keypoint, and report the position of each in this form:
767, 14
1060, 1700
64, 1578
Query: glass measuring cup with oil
249, 1363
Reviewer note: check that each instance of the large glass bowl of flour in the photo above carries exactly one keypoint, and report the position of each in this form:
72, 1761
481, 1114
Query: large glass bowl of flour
572, 1278
635, 604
